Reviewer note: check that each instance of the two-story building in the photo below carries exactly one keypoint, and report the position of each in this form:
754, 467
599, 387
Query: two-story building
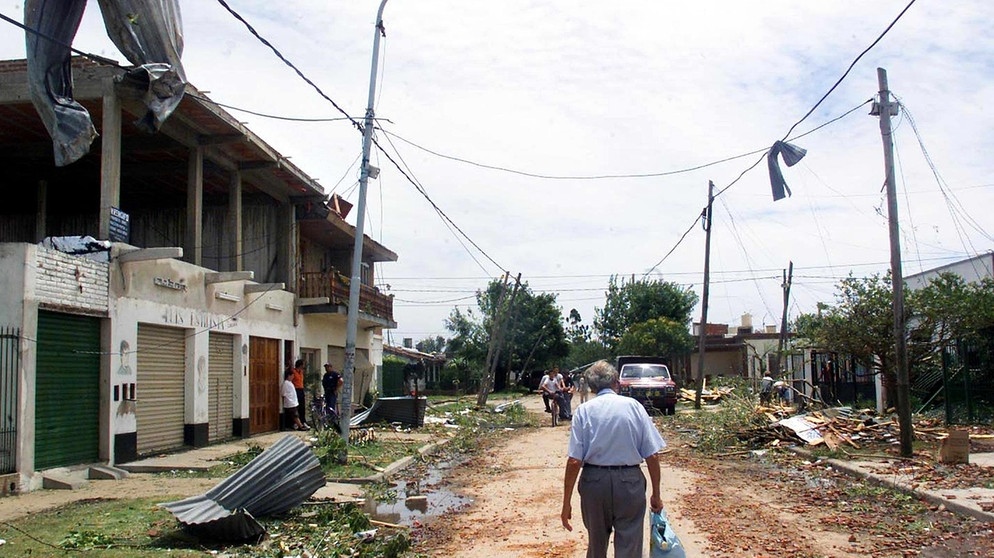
218, 263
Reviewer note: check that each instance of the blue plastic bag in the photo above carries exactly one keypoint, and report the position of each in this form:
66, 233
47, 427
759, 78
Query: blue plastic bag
663, 540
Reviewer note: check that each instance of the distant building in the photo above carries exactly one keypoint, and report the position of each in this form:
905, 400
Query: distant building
971, 270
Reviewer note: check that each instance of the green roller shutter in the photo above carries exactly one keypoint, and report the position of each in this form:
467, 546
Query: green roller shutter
67, 390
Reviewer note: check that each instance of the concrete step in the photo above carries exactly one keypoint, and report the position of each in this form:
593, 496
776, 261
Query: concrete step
106, 472
62, 481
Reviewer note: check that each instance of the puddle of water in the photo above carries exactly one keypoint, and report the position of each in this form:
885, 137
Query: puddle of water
418, 500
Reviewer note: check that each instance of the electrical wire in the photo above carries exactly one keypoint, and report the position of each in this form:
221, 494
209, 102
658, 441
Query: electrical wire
849, 69
359, 127
445, 219
830, 90
678, 242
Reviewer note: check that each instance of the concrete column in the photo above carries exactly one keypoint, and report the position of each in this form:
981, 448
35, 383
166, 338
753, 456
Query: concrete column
235, 262
41, 219
193, 250
110, 159
288, 228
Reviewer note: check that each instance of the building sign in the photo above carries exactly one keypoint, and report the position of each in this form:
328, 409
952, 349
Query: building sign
169, 283
198, 319
120, 226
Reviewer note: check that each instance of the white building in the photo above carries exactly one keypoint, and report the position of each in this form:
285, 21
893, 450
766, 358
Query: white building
228, 264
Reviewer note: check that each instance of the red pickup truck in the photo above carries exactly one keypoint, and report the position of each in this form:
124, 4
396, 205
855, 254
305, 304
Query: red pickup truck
648, 380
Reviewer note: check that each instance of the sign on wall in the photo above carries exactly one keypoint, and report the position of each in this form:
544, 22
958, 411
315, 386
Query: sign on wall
120, 226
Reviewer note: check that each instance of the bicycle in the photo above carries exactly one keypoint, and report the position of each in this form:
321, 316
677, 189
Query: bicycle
323, 417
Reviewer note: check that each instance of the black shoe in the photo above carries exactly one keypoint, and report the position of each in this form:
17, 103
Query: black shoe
548, 410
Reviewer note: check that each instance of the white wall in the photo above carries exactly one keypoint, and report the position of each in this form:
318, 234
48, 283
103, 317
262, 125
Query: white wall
173, 293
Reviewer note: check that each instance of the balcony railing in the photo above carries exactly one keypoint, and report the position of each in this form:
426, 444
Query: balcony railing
335, 286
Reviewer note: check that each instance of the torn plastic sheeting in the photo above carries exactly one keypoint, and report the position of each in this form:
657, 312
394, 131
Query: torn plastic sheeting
277, 480
148, 33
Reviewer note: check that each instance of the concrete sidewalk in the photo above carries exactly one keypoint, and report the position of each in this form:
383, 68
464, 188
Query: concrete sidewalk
963, 501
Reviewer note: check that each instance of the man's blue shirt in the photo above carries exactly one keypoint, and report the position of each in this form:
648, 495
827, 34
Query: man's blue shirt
612, 429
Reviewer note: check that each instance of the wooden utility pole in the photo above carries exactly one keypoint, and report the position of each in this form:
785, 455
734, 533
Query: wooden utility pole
788, 277
885, 109
497, 331
704, 295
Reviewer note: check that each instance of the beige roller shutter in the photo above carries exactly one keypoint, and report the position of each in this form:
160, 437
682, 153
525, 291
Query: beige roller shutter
220, 372
161, 373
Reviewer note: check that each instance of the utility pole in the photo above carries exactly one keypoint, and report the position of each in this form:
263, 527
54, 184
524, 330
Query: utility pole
788, 277
497, 340
704, 295
355, 280
885, 109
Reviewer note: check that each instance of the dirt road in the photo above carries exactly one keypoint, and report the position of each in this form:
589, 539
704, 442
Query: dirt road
517, 489
743, 505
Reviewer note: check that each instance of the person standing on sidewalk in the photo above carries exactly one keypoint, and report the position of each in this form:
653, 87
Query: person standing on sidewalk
291, 416
298, 385
331, 381
610, 437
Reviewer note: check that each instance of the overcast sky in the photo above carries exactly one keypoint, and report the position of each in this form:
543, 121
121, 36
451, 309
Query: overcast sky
587, 89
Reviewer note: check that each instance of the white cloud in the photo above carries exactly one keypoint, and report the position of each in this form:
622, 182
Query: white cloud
625, 87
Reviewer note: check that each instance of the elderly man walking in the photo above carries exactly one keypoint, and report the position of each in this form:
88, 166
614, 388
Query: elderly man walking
610, 437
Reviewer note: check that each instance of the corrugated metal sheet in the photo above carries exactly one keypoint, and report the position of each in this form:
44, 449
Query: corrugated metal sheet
407, 410
161, 373
279, 479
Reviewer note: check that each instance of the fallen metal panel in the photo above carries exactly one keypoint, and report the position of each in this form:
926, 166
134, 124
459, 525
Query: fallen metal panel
406, 410
279, 479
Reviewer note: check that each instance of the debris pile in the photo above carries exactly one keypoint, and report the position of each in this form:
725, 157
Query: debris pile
834, 427
710, 395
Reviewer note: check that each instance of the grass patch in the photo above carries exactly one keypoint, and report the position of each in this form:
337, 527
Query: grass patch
138, 528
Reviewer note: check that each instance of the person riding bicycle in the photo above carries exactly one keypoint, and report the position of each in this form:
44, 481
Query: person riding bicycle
552, 387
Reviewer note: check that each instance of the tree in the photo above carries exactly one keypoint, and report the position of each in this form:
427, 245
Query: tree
433, 345
639, 301
469, 340
861, 325
577, 331
535, 334
657, 336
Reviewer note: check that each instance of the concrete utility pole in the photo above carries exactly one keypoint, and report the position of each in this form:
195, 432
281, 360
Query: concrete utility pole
788, 277
704, 295
355, 280
885, 109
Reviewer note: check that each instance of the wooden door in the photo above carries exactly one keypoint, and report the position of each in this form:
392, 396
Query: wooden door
264, 385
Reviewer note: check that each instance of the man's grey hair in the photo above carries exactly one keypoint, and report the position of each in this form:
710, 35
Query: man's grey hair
601, 375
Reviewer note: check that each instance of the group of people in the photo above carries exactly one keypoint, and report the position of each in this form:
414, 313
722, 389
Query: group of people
292, 392
559, 388
768, 387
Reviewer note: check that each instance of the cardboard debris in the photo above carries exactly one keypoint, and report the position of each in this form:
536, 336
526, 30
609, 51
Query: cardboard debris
955, 448
805, 429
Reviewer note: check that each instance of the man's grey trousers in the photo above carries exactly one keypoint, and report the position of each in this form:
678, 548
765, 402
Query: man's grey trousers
613, 499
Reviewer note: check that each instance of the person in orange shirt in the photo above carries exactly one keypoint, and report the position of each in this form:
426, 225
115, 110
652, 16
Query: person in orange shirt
297, 378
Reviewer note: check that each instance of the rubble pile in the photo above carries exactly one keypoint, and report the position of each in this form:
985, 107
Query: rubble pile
834, 427
710, 395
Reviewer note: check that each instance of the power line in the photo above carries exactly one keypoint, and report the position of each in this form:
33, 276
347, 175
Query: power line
849, 69
830, 89
358, 126
443, 216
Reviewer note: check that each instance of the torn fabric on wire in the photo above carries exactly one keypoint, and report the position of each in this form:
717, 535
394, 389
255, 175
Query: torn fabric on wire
791, 155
